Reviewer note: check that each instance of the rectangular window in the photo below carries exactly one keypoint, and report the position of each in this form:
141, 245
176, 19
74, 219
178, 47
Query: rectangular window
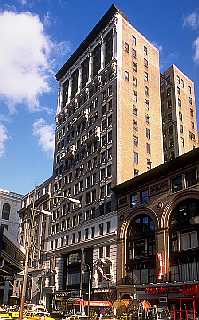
100, 252
79, 236
108, 47
135, 141
103, 173
92, 232
177, 183
190, 100
178, 90
178, 79
126, 75
146, 76
135, 157
181, 128
133, 199
135, 125
179, 103
135, 98
148, 148
134, 54
108, 251
146, 63
189, 89
126, 47
134, 81
134, 41
145, 50
182, 83
191, 178
146, 91
86, 234
108, 189
147, 104
102, 192
144, 197
135, 67
101, 229
147, 119
108, 227
109, 136
96, 60
135, 172
180, 116
109, 170
88, 197
148, 133
182, 141
73, 238
149, 164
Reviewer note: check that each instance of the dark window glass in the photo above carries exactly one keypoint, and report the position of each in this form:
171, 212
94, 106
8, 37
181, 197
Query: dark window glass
108, 47
191, 177
176, 183
144, 197
65, 92
6, 211
96, 60
133, 199
74, 85
85, 71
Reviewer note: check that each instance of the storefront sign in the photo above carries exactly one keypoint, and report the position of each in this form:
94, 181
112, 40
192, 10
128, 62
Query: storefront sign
98, 303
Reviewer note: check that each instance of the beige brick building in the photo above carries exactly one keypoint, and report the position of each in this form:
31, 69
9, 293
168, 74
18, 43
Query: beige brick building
108, 130
178, 113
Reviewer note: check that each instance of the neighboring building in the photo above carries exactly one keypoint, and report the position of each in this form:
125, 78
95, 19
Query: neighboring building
178, 113
11, 253
158, 235
108, 129
37, 224
10, 204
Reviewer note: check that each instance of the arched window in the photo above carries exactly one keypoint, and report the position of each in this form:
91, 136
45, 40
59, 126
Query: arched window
140, 250
6, 211
184, 241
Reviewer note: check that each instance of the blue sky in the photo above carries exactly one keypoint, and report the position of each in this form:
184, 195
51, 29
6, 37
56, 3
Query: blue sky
37, 37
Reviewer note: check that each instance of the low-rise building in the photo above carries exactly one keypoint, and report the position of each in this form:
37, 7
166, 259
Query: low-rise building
11, 253
158, 235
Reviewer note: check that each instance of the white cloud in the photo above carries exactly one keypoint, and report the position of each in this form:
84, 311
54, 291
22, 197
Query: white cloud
192, 20
3, 138
26, 59
45, 134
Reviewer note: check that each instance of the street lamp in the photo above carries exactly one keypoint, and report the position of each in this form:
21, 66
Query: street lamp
89, 285
28, 236
28, 228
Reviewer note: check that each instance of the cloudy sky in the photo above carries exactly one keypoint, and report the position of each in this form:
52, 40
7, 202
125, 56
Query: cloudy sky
37, 37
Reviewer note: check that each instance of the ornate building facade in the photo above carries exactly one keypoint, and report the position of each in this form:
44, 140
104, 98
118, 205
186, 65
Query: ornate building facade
159, 234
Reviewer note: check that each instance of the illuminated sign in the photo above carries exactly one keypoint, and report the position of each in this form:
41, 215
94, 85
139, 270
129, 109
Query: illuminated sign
161, 265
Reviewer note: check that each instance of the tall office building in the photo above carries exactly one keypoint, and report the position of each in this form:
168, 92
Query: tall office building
108, 130
178, 113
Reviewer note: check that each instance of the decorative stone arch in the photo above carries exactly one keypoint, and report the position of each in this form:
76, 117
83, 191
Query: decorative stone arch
125, 225
186, 194
121, 262
165, 219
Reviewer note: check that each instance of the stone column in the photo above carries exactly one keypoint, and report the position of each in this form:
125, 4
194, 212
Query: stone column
69, 89
90, 67
114, 43
59, 100
162, 257
79, 79
59, 273
102, 53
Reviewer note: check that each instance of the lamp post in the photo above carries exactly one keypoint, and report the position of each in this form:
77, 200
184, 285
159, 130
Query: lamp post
89, 285
29, 227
